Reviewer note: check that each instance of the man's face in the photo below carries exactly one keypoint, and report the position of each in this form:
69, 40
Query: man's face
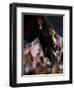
52, 32
39, 21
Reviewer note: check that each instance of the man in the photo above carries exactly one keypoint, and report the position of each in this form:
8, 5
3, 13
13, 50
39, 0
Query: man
45, 39
57, 50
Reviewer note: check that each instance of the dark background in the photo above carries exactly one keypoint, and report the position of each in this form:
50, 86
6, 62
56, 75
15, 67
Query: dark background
30, 25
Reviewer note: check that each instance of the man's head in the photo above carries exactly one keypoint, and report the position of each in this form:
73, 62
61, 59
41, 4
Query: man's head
52, 31
39, 21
